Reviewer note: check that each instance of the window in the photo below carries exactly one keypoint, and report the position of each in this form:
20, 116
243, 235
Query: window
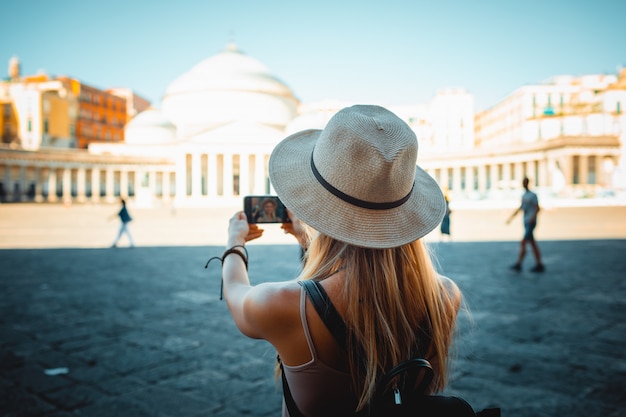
46, 126
30, 125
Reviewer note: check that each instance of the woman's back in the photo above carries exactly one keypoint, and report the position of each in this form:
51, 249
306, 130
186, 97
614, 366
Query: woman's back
357, 184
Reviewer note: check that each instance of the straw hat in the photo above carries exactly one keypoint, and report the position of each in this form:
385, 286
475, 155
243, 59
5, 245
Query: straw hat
357, 180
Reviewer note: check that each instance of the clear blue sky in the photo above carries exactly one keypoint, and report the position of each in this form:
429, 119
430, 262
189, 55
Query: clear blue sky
385, 52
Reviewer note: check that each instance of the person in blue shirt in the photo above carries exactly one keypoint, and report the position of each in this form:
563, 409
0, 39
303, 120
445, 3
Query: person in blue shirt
530, 207
124, 220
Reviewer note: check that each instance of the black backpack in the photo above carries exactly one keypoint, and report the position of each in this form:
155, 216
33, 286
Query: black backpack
401, 399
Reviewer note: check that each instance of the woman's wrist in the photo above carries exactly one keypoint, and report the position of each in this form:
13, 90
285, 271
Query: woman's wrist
235, 242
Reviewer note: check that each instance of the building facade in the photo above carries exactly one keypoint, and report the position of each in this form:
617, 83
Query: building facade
101, 115
210, 142
565, 135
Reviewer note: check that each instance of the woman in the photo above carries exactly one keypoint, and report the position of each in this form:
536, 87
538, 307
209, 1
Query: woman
356, 184
267, 214
124, 220
445, 223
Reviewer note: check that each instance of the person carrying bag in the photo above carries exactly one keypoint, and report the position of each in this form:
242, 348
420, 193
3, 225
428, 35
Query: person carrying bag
360, 206
398, 393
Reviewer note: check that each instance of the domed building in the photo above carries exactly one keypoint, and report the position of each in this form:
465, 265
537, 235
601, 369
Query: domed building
218, 124
225, 89
150, 127
209, 143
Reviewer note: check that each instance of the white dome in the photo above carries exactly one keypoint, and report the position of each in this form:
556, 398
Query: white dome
150, 127
224, 88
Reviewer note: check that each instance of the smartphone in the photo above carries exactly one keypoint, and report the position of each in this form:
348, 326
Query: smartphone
265, 209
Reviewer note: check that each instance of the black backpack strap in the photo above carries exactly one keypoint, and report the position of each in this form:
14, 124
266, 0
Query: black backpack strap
326, 310
409, 370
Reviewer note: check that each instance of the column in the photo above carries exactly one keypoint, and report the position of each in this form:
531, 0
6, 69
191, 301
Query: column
109, 186
181, 177
567, 162
493, 178
228, 175
124, 183
259, 174
456, 181
67, 185
7, 181
138, 181
519, 172
196, 175
543, 180
482, 179
95, 184
469, 180
166, 186
152, 182
22, 183
211, 175
506, 175
244, 174
80, 184
52, 185
584, 169
38, 187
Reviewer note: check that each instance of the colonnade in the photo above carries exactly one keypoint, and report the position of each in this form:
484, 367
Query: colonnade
79, 182
226, 175
197, 177
565, 172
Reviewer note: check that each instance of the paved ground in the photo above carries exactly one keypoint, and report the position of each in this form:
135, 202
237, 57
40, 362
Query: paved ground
142, 332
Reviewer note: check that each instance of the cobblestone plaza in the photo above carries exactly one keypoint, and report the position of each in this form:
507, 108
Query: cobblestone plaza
94, 331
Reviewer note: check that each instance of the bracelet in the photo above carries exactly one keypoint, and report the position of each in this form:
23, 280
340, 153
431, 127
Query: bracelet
226, 253
235, 251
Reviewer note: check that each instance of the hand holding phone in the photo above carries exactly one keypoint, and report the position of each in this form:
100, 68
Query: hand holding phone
265, 209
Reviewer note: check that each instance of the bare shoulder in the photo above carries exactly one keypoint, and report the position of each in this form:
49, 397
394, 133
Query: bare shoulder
271, 306
275, 294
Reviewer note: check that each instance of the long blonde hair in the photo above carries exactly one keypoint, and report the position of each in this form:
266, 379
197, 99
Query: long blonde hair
409, 311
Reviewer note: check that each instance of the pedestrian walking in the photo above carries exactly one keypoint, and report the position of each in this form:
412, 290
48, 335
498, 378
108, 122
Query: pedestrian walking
124, 220
445, 223
356, 185
530, 207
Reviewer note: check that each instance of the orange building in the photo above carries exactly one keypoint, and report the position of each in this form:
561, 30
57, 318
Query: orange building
101, 115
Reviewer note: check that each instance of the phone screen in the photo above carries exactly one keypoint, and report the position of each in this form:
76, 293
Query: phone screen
265, 209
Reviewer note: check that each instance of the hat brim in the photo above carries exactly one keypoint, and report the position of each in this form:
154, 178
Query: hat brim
292, 178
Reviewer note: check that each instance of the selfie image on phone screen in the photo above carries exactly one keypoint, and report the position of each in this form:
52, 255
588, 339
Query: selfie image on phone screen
265, 209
